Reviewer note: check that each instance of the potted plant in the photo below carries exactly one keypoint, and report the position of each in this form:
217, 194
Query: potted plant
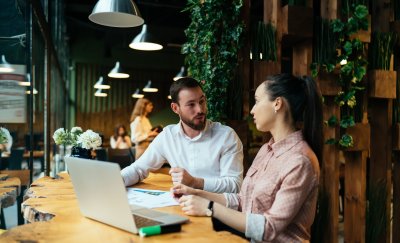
263, 42
382, 80
82, 142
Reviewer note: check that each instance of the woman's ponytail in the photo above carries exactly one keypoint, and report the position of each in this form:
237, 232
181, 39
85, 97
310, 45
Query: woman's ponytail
312, 118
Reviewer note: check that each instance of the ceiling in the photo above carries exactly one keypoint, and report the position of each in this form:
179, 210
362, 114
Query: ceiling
163, 17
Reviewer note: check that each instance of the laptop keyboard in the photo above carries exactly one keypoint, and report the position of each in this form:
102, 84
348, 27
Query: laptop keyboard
143, 222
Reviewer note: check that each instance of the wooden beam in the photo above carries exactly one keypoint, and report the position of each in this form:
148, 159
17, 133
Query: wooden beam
355, 196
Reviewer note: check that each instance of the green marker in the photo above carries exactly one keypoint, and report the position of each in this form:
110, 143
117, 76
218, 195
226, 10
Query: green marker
159, 229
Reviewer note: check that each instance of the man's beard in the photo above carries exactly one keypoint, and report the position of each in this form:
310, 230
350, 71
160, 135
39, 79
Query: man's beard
191, 124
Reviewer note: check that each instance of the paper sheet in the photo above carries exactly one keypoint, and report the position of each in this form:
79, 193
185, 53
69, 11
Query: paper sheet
150, 198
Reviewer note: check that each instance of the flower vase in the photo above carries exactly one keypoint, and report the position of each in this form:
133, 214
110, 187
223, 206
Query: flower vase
81, 153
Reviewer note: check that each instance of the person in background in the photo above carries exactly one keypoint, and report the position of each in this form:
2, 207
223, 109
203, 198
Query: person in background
202, 153
277, 201
120, 139
141, 128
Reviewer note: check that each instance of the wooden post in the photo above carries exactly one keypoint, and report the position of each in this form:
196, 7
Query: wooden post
355, 201
302, 58
330, 165
396, 198
380, 113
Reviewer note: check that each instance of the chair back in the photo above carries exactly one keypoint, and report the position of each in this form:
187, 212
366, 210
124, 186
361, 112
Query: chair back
101, 154
15, 159
123, 157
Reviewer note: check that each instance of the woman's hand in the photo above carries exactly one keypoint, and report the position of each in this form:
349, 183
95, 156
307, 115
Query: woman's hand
194, 205
153, 134
180, 189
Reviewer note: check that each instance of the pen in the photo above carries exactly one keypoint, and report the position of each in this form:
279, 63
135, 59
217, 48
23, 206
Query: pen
159, 229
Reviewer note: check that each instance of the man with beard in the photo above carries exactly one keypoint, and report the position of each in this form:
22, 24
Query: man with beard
202, 154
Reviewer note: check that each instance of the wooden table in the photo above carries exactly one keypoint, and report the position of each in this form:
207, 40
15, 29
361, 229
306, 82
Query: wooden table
53, 211
10, 188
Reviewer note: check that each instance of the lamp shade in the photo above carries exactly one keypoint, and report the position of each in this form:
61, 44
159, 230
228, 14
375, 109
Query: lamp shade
181, 74
145, 41
34, 91
137, 94
117, 72
26, 83
116, 13
102, 84
100, 93
148, 88
5, 67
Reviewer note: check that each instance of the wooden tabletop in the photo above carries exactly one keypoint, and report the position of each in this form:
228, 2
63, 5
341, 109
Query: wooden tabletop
10, 187
53, 211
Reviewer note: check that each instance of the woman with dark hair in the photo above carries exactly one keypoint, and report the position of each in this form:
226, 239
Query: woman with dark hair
120, 140
278, 197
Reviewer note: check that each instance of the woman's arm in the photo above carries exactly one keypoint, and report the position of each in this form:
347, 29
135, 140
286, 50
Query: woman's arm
128, 141
181, 189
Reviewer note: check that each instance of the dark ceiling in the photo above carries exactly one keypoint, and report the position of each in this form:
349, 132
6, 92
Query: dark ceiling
163, 17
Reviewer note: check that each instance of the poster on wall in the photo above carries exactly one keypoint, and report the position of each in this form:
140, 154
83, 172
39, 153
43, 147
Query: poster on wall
13, 96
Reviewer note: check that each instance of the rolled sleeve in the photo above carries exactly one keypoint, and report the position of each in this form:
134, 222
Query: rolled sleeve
255, 226
151, 160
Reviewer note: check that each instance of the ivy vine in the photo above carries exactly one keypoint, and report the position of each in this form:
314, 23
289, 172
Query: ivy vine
212, 47
351, 72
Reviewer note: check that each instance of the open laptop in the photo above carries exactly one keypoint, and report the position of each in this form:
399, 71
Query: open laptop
102, 196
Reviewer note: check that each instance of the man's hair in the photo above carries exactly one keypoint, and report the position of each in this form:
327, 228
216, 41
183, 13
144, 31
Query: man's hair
183, 83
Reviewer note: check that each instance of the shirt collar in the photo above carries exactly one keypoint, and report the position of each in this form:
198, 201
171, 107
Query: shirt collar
285, 144
179, 130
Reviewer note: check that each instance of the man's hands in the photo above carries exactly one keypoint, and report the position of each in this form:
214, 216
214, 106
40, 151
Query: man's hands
181, 176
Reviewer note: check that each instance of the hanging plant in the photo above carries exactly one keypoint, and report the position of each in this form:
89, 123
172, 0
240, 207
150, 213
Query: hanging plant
263, 42
352, 71
213, 43
349, 5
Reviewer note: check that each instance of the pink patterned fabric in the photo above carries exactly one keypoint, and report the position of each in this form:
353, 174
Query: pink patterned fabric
282, 185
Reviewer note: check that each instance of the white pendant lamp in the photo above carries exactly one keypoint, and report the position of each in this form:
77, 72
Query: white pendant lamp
148, 88
145, 41
102, 84
5, 67
116, 13
181, 74
100, 93
117, 72
137, 94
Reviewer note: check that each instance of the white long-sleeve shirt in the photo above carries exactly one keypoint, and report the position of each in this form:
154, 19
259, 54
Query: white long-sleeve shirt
216, 155
140, 128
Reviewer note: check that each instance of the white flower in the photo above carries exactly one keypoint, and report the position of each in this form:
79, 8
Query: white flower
60, 136
89, 140
76, 130
4, 135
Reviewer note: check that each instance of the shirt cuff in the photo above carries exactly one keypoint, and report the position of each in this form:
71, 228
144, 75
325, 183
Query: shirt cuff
255, 226
232, 200
209, 184
129, 176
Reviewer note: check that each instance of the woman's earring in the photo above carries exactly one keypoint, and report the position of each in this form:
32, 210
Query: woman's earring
276, 111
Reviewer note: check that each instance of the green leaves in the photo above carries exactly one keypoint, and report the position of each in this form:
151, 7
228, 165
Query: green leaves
332, 121
347, 121
214, 38
361, 11
346, 141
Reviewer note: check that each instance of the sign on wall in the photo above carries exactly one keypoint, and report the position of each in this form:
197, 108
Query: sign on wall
13, 96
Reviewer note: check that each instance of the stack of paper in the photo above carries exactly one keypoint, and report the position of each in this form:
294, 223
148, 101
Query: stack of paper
150, 198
